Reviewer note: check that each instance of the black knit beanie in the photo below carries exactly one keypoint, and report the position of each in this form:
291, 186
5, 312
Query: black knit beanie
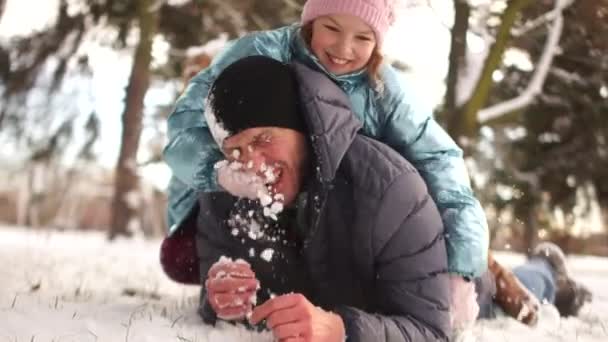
256, 91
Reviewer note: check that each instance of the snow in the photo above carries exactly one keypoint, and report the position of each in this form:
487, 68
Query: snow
69, 287
267, 254
590, 326
239, 182
72, 286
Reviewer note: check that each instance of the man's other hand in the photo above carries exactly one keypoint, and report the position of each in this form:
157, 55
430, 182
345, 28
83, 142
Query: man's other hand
292, 317
231, 289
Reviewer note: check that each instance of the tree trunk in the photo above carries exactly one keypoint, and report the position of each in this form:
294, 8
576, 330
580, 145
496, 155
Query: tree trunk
468, 125
126, 179
458, 49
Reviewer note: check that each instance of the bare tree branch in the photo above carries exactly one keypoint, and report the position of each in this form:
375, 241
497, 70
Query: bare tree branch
469, 124
293, 4
543, 19
538, 79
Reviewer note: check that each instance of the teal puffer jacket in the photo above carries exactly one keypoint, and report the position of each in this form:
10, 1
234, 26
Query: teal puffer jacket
391, 115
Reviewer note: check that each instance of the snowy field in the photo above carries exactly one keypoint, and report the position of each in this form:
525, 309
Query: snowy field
78, 287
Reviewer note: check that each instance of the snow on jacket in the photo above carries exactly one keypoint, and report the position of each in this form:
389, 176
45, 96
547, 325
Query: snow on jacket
392, 116
372, 247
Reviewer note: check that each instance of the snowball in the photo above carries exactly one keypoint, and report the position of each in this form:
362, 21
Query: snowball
265, 199
220, 164
224, 260
276, 207
267, 254
235, 166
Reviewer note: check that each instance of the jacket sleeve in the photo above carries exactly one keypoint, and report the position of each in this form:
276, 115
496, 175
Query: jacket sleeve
411, 290
191, 151
413, 132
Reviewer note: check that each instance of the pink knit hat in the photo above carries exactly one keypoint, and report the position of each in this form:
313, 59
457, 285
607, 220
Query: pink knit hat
376, 13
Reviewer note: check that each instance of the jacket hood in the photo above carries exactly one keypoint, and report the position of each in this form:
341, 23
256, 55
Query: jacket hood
328, 115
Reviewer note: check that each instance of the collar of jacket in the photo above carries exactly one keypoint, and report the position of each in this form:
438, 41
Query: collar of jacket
331, 124
303, 55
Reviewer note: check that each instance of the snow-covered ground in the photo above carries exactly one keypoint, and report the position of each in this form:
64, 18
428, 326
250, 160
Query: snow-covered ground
74, 287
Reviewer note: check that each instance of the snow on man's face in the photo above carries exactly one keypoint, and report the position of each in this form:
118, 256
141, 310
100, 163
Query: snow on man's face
343, 43
277, 155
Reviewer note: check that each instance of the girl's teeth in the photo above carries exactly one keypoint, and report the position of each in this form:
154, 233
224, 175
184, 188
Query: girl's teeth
338, 60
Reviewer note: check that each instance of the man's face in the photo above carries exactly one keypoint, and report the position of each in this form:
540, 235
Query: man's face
277, 155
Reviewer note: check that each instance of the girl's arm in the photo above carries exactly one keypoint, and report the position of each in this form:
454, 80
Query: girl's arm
412, 131
191, 150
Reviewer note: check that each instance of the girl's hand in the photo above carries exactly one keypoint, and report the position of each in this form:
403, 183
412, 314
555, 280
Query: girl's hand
463, 303
231, 289
292, 317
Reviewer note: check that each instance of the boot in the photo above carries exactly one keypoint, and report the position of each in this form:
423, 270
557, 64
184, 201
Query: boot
512, 296
570, 296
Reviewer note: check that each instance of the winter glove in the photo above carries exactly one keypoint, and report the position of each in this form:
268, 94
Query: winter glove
463, 303
231, 288
239, 182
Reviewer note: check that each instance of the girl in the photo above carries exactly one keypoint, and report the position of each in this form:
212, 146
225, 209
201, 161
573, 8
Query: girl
343, 39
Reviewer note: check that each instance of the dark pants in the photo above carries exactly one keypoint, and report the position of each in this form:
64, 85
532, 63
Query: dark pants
178, 256
536, 275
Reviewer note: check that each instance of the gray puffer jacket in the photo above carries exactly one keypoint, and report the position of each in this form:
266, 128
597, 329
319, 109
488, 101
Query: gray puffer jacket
369, 243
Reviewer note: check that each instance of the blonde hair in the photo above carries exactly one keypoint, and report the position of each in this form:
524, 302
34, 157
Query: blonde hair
373, 65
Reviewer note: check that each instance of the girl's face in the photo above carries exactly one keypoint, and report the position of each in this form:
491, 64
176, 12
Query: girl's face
343, 43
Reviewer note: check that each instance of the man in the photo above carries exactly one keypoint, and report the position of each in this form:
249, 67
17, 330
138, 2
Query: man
343, 240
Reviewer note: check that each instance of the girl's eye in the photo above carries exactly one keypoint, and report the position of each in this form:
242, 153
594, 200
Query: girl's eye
364, 38
331, 28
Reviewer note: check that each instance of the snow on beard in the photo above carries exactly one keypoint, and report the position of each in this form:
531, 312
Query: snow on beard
256, 217
253, 220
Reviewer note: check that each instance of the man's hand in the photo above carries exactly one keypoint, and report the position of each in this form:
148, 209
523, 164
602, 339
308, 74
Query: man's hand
292, 317
231, 288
